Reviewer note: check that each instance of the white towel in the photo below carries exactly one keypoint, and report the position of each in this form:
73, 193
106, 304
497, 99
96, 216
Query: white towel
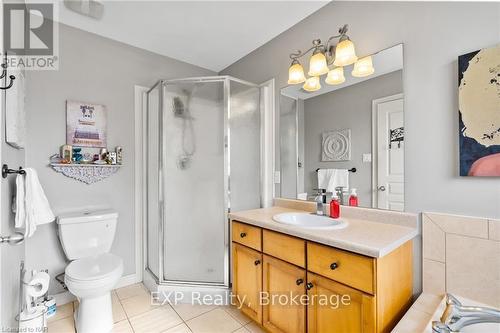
32, 206
302, 196
329, 179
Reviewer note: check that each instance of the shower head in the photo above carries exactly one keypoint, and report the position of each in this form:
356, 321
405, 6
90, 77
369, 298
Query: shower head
178, 106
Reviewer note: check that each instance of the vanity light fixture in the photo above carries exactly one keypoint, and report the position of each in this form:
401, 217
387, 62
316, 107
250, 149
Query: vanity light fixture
296, 73
323, 55
317, 63
335, 76
312, 84
363, 67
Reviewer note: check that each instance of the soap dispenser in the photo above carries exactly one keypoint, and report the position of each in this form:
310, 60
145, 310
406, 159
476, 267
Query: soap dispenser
353, 198
335, 207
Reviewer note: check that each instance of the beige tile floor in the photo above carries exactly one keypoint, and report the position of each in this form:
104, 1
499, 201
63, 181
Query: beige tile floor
133, 313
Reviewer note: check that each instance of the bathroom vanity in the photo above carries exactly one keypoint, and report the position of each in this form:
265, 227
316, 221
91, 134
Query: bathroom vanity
356, 279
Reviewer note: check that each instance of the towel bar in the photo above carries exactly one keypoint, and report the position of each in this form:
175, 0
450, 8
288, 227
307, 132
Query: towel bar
6, 171
350, 170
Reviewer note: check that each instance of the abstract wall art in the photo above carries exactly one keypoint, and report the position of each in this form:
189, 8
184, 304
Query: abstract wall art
336, 146
479, 112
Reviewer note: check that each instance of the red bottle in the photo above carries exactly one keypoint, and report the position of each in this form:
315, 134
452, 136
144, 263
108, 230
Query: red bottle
335, 207
353, 198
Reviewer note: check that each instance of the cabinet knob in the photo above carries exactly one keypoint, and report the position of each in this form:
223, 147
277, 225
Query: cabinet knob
309, 286
299, 282
257, 262
334, 266
243, 234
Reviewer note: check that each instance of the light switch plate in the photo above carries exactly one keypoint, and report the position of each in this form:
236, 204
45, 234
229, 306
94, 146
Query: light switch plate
277, 177
367, 158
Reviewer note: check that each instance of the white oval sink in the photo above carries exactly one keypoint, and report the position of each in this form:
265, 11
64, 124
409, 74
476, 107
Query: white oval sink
310, 221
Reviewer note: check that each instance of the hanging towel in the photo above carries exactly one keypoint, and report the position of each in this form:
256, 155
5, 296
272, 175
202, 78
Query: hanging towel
32, 206
329, 179
20, 207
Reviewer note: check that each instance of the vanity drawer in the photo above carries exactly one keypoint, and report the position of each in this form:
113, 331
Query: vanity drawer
247, 235
352, 269
284, 247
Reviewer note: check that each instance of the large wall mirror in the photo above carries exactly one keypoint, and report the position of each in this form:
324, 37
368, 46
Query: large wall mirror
346, 136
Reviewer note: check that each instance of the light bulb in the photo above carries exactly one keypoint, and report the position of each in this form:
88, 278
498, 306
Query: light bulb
317, 65
335, 76
345, 53
312, 84
296, 73
363, 67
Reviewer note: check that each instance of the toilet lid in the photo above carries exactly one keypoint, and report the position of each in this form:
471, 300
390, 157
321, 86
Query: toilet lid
94, 268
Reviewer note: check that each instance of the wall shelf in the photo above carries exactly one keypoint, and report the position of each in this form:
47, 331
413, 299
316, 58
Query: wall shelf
86, 173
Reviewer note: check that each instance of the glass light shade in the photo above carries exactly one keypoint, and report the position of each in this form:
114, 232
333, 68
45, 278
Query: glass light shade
345, 53
312, 84
296, 74
363, 67
317, 65
335, 76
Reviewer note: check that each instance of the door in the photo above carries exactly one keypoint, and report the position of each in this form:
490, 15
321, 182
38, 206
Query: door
389, 162
247, 280
10, 255
283, 286
334, 307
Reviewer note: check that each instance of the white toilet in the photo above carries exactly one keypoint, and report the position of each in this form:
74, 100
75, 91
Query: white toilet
86, 238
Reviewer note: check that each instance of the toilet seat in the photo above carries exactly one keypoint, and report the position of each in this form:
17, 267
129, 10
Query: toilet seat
106, 266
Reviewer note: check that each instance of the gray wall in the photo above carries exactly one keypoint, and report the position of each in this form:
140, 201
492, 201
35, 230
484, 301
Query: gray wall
10, 255
99, 70
434, 35
349, 107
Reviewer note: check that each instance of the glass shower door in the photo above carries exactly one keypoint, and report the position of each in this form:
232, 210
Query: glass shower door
194, 184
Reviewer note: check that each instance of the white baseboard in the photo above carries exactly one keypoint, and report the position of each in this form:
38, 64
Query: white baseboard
127, 280
67, 297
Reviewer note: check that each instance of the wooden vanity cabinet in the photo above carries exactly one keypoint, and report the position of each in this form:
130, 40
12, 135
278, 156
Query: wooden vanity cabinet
247, 280
347, 310
288, 314
379, 289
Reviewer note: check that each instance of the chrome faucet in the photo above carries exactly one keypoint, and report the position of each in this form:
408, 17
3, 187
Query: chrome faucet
340, 194
320, 201
456, 316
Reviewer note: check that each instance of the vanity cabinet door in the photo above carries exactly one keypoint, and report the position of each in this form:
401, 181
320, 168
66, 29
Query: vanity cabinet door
285, 314
247, 280
328, 313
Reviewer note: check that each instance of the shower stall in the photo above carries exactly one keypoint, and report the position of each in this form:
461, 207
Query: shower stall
203, 154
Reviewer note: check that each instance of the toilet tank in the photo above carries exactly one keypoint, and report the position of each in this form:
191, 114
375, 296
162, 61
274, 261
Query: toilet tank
87, 233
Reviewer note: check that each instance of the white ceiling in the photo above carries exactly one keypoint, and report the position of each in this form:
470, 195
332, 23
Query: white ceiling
209, 34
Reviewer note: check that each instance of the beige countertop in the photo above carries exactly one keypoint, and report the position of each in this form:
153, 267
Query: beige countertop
373, 239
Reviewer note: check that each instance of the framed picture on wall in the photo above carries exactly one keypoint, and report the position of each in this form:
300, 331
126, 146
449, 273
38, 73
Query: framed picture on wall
479, 112
86, 124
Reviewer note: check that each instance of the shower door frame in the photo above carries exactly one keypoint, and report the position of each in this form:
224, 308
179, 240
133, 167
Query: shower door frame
225, 79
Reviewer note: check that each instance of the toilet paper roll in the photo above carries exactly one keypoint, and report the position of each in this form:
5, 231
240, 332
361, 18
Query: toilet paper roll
38, 285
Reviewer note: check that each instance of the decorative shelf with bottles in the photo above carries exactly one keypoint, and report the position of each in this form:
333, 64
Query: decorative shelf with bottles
87, 173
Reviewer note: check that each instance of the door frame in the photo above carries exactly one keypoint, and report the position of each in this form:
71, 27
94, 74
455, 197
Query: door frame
268, 141
375, 104
139, 178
